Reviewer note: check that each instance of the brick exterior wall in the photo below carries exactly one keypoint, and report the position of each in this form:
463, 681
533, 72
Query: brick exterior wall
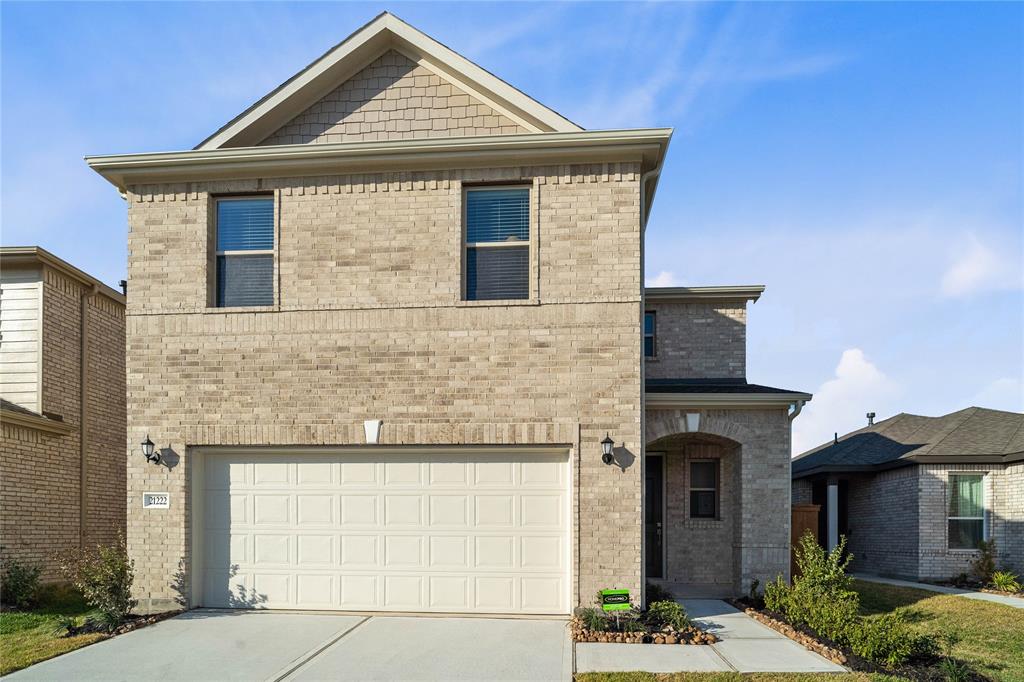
698, 340
758, 445
369, 324
699, 551
40, 473
802, 492
393, 98
883, 520
1005, 517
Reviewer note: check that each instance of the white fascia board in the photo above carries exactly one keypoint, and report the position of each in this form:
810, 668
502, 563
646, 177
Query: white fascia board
751, 292
645, 145
716, 400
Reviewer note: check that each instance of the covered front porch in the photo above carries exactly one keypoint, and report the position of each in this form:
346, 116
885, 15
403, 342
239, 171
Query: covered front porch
716, 491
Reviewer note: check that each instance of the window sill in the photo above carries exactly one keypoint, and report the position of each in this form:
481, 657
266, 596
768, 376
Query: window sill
498, 303
273, 308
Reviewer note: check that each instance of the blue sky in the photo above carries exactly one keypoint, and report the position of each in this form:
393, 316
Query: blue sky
864, 161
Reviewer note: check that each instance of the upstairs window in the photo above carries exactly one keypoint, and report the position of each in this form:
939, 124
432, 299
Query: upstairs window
966, 511
704, 489
497, 243
650, 328
245, 251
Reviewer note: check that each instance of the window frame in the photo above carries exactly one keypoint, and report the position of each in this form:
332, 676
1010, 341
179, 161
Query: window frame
983, 475
716, 490
653, 335
217, 253
466, 245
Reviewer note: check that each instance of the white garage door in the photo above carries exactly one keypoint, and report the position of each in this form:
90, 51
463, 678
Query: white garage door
387, 531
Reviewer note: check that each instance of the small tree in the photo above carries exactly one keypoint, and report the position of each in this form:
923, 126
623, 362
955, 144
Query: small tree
104, 575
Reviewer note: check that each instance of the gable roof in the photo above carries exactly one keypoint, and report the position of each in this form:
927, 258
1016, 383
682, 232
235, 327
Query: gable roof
974, 435
383, 33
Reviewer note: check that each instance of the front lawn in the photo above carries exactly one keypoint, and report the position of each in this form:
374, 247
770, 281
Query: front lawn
27, 637
986, 636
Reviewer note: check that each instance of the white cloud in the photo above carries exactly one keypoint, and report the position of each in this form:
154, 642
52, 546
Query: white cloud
979, 268
840, 404
1005, 393
663, 279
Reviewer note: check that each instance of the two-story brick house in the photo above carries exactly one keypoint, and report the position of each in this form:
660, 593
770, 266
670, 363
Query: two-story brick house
379, 327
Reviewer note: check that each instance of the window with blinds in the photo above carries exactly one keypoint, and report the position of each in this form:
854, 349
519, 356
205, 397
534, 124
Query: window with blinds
245, 251
497, 243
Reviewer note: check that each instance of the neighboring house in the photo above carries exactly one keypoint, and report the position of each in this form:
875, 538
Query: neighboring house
381, 324
62, 420
915, 495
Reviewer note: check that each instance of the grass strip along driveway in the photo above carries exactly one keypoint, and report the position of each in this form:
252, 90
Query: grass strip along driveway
27, 637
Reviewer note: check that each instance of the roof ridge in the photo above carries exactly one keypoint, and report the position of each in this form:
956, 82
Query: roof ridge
934, 444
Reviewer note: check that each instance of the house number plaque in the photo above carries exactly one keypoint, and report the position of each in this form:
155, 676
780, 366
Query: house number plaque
156, 500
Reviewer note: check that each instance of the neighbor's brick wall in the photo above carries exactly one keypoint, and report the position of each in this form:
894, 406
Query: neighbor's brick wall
761, 468
393, 98
883, 522
802, 491
1005, 505
699, 551
40, 473
698, 340
370, 326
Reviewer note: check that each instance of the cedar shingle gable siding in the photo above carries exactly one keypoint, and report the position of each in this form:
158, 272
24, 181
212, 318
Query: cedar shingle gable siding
393, 98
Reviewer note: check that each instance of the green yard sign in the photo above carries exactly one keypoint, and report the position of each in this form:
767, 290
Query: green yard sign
615, 600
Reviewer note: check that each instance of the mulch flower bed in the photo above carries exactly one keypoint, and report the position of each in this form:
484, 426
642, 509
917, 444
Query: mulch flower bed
689, 635
133, 623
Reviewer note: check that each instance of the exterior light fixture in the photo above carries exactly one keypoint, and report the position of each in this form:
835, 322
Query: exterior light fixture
606, 449
148, 449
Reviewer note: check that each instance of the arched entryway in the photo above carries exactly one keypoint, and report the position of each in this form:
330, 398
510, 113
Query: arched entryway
692, 513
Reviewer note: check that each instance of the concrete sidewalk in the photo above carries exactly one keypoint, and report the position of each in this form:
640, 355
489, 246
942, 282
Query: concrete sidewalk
745, 646
1015, 602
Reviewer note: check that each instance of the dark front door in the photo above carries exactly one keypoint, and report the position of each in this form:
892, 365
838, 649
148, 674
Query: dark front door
654, 506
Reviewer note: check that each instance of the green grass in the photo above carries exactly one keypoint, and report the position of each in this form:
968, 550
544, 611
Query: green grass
725, 677
986, 636
27, 637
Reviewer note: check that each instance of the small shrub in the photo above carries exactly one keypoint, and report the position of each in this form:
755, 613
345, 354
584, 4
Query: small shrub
776, 595
592, 619
19, 584
831, 616
884, 640
961, 580
104, 575
954, 671
985, 565
671, 613
755, 585
656, 592
1005, 581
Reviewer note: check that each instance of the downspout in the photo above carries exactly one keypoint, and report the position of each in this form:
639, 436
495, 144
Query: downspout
83, 402
797, 406
653, 173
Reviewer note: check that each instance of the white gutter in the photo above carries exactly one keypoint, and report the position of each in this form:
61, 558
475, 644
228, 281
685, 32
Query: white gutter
752, 400
797, 406
647, 145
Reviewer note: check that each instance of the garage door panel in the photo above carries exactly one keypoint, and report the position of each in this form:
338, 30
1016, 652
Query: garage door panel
417, 531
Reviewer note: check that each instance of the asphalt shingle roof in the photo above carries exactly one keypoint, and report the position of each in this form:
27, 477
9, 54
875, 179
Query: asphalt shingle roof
972, 435
709, 386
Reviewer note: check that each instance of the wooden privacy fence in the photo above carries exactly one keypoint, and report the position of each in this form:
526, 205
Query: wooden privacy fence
805, 518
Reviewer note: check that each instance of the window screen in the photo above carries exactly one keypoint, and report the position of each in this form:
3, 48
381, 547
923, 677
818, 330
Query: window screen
245, 251
497, 243
704, 489
966, 511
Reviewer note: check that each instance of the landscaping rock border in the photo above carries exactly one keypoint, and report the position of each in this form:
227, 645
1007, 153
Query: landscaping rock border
691, 635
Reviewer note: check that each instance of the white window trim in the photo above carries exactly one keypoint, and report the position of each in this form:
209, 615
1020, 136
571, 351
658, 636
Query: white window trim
716, 490
984, 508
243, 252
528, 243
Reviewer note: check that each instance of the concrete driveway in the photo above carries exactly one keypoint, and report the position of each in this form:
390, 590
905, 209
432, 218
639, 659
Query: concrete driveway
262, 645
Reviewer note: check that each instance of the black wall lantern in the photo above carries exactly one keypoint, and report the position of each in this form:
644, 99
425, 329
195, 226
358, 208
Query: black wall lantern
606, 449
149, 450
